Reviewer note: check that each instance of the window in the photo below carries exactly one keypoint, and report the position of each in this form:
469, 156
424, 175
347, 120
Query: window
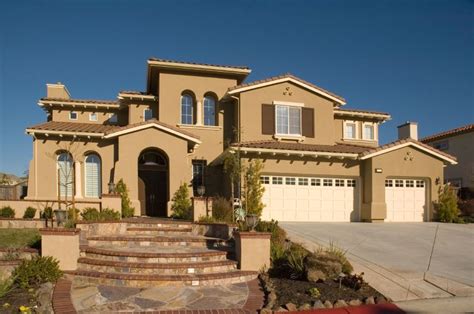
351, 183
65, 175
288, 120
72, 115
315, 182
302, 181
399, 183
327, 182
147, 114
198, 173
339, 182
265, 180
93, 176
420, 183
209, 110
409, 183
277, 180
388, 183
93, 116
369, 131
113, 118
441, 145
186, 109
290, 181
350, 130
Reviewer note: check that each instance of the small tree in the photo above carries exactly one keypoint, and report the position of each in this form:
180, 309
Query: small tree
253, 188
127, 209
447, 206
181, 203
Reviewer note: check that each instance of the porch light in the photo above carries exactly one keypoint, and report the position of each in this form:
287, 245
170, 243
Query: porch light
111, 187
252, 221
201, 190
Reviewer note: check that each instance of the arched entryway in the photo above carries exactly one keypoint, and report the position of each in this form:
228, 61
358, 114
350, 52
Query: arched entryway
153, 172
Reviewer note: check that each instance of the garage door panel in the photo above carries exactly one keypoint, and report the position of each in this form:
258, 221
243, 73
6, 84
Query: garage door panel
405, 199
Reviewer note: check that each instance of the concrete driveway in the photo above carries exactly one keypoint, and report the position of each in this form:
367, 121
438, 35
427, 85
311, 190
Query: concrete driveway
401, 252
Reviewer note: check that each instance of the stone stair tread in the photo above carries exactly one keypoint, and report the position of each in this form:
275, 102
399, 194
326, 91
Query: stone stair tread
148, 220
154, 238
93, 261
151, 251
156, 277
169, 229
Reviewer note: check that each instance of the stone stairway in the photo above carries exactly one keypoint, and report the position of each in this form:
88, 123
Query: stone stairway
155, 253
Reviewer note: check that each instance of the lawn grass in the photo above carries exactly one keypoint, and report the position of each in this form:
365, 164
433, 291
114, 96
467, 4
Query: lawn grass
19, 238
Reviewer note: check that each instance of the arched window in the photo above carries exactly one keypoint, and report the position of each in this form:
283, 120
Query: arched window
65, 175
186, 109
209, 110
93, 176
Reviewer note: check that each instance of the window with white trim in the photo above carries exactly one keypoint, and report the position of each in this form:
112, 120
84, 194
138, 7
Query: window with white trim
368, 131
351, 183
388, 183
409, 183
339, 182
92, 170
65, 175
399, 183
209, 110
187, 109
277, 180
350, 129
147, 114
93, 116
290, 181
73, 115
198, 174
327, 182
265, 180
302, 181
288, 120
315, 182
420, 183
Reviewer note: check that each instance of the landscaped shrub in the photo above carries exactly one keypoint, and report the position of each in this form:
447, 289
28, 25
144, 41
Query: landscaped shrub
353, 281
296, 255
109, 214
47, 213
90, 214
127, 209
253, 189
447, 206
5, 286
38, 270
222, 209
7, 212
30, 213
207, 219
181, 203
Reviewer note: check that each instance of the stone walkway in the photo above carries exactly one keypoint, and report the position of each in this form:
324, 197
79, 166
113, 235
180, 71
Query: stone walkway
91, 298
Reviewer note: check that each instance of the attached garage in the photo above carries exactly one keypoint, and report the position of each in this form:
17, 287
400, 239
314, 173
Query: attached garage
310, 199
405, 199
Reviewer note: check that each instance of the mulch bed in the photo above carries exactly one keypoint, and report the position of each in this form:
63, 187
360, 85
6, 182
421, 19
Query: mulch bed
296, 291
15, 298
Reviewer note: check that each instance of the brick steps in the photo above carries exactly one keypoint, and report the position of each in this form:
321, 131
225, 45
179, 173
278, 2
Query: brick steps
141, 281
147, 241
91, 264
159, 230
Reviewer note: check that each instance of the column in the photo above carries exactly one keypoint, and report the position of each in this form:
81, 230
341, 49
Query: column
77, 178
198, 113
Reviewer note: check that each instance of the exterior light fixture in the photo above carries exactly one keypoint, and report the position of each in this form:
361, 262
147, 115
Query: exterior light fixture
201, 190
378, 170
111, 187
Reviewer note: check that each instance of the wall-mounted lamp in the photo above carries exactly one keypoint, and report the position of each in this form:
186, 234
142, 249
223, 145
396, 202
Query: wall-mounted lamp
111, 187
437, 181
378, 170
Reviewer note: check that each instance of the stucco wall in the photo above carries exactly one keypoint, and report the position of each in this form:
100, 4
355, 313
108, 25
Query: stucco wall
136, 110
83, 115
339, 132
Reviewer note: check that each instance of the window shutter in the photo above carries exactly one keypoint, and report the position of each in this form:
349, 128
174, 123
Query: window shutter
308, 122
268, 119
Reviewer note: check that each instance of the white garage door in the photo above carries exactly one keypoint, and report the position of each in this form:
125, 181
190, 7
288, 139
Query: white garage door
406, 199
310, 199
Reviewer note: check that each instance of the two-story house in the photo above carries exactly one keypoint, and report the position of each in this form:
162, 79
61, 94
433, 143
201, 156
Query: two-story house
322, 162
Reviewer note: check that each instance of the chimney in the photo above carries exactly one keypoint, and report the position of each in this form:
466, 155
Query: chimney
408, 130
57, 91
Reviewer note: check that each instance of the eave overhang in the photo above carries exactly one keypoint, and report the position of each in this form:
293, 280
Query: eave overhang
198, 68
361, 114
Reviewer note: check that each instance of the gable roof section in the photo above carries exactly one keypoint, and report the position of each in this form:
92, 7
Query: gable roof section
153, 123
457, 131
286, 78
404, 143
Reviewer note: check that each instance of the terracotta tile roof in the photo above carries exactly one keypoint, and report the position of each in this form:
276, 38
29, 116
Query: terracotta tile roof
363, 111
203, 64
151, 121
287, 75
134, 92
464, 129
408, 140
73, 127
81, 101
273, 144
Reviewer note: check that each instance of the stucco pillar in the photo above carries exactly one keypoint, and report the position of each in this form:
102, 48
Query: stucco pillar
78, 181
198, 113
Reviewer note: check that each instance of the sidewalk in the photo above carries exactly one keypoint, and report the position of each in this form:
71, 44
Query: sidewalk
443, 305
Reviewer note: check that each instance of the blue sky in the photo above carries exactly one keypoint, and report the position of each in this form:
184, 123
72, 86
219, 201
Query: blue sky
413, 59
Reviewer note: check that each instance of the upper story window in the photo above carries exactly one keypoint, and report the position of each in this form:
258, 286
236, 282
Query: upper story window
443, 145
113, 118
288, 120
209, 110
72, 115
93, 116
147, 114
369, 131
187, 109
350, 130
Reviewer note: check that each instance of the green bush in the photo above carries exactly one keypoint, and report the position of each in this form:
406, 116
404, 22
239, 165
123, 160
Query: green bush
181, 203
278, 234
90, 214
109, 214
222, 209
296, 255
340, 255
127, 209
5, 286
447, 206
47, 213
207, 219
7, 212
38, 270
30, 213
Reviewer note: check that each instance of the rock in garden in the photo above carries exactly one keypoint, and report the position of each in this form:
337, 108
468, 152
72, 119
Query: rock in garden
272, 297
370, 300
380, 300
291, 307
355, 302
340, 303
328, 304
315, 275
321, 266
304, 307
43, 296
266, 311
318, 304
281, 309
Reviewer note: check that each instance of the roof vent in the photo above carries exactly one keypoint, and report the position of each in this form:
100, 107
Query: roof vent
408, 130
57, 91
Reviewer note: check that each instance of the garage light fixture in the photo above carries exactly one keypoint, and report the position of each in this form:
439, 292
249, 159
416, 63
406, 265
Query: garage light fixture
378, 170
